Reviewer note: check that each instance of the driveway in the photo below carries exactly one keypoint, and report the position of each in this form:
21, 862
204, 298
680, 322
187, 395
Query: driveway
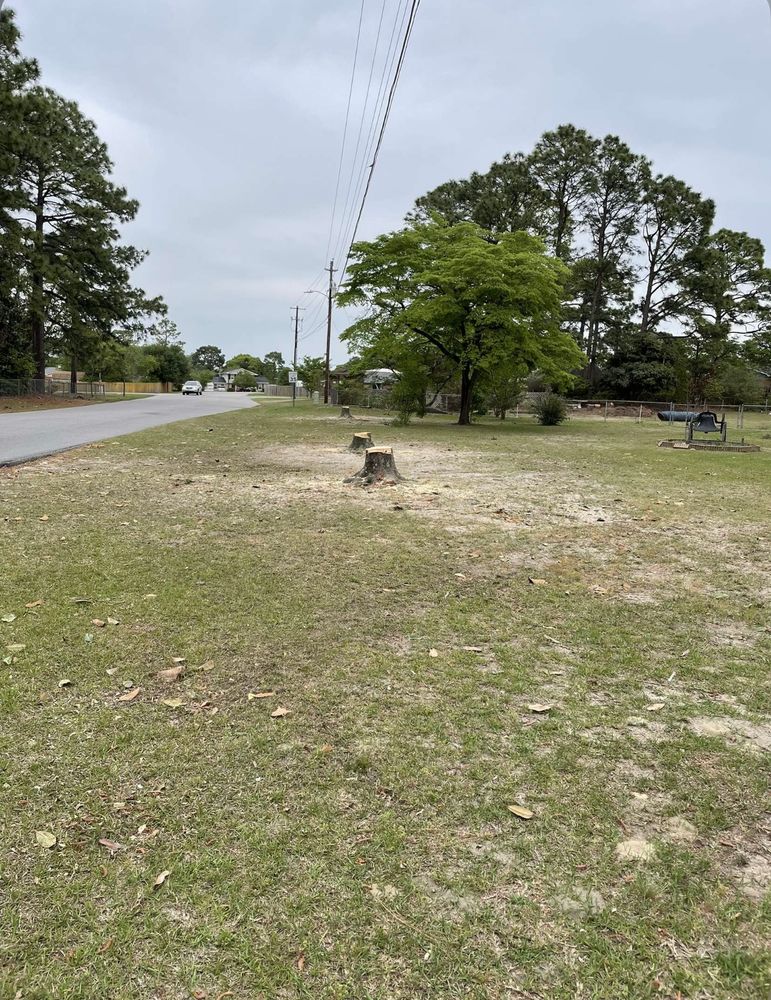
42, 432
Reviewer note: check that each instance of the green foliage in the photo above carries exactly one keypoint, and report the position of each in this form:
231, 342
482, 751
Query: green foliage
737, 383
505, 387
248, 361
208, 357
352, 392
168, 363
311, 371
202, 375
408, 393
275, 369
476, 301
245, 380
550, 410
642, 366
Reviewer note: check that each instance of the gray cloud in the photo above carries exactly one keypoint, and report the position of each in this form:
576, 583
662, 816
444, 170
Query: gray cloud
225, 121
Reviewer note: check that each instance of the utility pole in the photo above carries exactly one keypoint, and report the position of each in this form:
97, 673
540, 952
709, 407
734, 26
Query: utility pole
331, 270
294, 356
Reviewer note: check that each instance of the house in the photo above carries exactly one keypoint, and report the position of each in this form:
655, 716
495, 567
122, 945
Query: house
227, 378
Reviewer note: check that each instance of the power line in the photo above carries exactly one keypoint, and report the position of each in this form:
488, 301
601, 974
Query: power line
345, 127
389, 106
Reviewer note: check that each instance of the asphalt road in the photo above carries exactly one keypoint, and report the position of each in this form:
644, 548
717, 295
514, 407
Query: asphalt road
37, 433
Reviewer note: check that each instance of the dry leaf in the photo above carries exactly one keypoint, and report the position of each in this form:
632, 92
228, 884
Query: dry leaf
65, 683
16, 647
113, 621
521, 811
34, 604
656, 707
473, 649
279, 713
536, 581
8, 618
45, 839
130, 696
149, 597
208, 666
80, 600
160, 879
111, 845
433, 652
540, 709
179, 659
98, 623
300, 962
174, 703
111, 671
327, 748
252, 696
172, 674
43, 518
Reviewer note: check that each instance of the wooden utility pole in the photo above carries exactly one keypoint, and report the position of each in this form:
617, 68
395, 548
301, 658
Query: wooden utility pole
331, 270
294, 356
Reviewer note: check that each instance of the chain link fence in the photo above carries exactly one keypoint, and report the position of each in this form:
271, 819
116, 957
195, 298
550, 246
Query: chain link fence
48, 387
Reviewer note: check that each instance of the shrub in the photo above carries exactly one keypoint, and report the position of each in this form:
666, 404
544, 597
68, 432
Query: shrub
550, 410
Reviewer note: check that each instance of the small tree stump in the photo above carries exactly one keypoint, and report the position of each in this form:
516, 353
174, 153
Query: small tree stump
379, 467
345, 413
361, 441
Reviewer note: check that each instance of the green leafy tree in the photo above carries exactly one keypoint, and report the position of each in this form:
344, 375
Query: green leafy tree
504, 388
727, 299
311, 371
166, 333
641, 366
738, 383
275, 369
478, 302
168, 363
245, 380
561, 163
209, 357
676, 223
248, 361
202, 375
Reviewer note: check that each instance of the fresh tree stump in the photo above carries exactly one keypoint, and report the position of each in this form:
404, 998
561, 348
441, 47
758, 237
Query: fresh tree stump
346, 413
361, 441
379, 467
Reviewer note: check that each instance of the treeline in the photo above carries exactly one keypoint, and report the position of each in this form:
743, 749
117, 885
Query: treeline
65, 275
660, 302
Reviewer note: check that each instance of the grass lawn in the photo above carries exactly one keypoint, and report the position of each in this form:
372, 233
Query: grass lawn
17, 404
565, 620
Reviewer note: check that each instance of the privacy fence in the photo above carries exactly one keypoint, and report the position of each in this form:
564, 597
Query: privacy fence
61, 387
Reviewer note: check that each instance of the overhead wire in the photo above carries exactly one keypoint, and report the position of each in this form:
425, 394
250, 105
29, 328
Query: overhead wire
389, 107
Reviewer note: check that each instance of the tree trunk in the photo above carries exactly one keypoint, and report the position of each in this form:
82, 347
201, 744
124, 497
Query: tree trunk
345, 413
73, 376
379, 468
467, 381
361, 442
37, 301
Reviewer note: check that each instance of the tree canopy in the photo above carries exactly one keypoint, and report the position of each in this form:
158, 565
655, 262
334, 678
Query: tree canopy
476, 300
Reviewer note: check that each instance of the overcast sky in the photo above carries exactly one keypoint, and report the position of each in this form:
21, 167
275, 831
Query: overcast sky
225, 120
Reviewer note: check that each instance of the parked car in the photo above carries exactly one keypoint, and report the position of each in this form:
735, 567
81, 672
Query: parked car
192, 388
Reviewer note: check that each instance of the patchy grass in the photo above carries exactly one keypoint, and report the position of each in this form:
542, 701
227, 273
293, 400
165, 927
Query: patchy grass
361, 846
18, 404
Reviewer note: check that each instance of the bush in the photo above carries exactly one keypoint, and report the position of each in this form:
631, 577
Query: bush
550, 410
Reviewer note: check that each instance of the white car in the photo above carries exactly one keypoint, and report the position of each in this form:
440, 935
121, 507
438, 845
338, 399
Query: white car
192, 388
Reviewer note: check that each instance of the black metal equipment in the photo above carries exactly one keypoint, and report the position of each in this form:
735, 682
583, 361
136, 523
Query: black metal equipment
707, 422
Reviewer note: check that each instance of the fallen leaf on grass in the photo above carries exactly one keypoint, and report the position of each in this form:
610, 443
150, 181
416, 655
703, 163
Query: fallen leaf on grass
44, 518
279, 713
160, 879
80, 600
130, 696
300, 962
45, 839
34, 604
98, 623
657, 707
8, 618
174, 703
473, 649
521, 812
111, 845
113, 621
179, 659
536, 581
327, 748
433, 653
172, 674
255, 696
65, 682
149, 597
106, 946
540, 709
16, 647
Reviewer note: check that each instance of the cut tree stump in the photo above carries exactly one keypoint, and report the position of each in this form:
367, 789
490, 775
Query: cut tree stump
346, 413
361, 441
379, 467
